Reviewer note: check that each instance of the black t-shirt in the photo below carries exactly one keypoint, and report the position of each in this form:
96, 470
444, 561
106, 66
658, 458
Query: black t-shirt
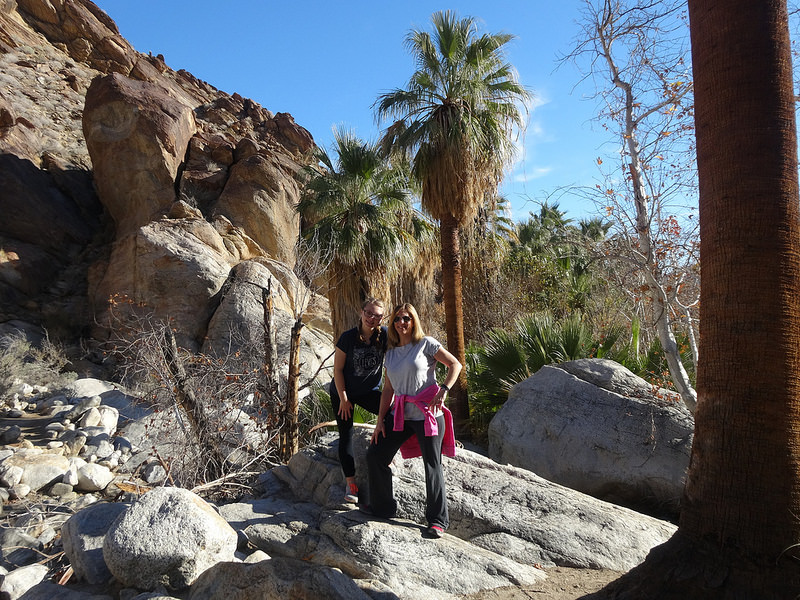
363, 363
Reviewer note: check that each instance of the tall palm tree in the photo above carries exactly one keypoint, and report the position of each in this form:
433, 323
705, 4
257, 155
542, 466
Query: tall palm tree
456, 118
739, 532
357, 210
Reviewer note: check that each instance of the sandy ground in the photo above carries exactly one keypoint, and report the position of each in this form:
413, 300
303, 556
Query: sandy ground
561, 584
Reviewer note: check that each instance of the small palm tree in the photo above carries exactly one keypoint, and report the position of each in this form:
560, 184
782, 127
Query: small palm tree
357, 209
455, 119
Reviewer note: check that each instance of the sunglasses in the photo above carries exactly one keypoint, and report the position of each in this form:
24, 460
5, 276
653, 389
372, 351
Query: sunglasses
404, 319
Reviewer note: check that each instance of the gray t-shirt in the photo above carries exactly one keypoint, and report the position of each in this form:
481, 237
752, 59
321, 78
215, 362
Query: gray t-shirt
411, 369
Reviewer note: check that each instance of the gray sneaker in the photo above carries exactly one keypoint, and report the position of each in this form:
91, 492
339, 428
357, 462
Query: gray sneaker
351, 493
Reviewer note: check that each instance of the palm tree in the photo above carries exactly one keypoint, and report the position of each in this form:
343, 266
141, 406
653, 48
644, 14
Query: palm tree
594, 229
357, 210
739, 531
456, 118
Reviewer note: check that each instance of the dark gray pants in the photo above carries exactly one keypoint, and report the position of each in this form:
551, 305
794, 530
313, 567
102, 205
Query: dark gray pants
379, 457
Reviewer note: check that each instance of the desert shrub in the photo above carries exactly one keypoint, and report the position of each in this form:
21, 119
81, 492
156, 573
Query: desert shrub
210, 418
23, 362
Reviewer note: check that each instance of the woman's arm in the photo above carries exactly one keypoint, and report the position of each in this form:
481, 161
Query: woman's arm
387, 393
345, 407
453, 369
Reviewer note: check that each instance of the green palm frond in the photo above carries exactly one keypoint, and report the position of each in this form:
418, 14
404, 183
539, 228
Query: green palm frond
456, 113
357, 206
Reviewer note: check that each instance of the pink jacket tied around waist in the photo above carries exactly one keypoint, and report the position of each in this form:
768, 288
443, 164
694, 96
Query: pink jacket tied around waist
410, 448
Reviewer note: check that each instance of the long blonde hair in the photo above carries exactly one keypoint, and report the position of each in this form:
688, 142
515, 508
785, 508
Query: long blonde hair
417, 333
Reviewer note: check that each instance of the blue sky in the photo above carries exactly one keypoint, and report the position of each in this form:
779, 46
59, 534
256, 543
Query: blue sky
326, 62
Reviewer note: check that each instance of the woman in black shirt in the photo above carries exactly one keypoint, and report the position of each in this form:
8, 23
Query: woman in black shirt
357, 366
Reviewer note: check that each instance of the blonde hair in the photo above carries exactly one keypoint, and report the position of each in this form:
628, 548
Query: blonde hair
417, 333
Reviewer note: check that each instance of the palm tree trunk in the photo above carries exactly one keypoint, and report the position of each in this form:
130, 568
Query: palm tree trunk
739, 528
454, 317
744, 483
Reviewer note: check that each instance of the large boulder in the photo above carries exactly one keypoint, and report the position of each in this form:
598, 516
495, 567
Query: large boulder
594, 426
238, 321
258, 197
82, 537
149, 266
168, 537
137, 136
510, 511
38, 469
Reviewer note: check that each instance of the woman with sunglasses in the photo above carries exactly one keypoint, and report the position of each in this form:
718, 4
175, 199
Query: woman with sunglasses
357, 365
412, 418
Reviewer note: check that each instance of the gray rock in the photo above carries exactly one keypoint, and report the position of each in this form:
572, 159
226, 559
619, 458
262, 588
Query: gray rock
82, 537
74, 441
390, 551
19, 491
167, 538
93, 477
11, 475
593, 426
274, 579
277, 526
64, 491
493, 506
52, 591
19, 581
154, 473
10, 434
83, 405
18, 547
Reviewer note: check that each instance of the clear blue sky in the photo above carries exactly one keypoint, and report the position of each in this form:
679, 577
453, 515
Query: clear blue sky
326, 62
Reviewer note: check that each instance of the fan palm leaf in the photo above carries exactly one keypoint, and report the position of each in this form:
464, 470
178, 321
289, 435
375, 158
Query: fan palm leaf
357, 206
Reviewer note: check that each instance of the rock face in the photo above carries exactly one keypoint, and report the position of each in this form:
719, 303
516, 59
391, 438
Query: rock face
123, 181
594, 426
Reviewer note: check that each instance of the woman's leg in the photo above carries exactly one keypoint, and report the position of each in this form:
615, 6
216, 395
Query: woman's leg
370, 401
379, 457
435, 495
345, 427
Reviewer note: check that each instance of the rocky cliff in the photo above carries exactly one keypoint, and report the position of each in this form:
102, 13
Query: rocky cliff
122, 179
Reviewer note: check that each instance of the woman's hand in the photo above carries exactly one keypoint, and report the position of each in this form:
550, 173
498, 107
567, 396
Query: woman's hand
345, 409
438, 400
379, 430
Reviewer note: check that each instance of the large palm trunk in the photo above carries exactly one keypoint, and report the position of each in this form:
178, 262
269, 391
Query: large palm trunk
740, 521
744, 484
454, 319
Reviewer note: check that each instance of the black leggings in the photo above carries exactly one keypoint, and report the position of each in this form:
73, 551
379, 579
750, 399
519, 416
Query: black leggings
371, 402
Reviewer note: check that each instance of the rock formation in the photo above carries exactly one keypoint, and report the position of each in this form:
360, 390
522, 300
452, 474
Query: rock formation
122, 180
594, 426
292, 535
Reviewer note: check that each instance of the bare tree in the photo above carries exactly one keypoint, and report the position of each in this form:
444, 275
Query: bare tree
310, 266
636, 52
